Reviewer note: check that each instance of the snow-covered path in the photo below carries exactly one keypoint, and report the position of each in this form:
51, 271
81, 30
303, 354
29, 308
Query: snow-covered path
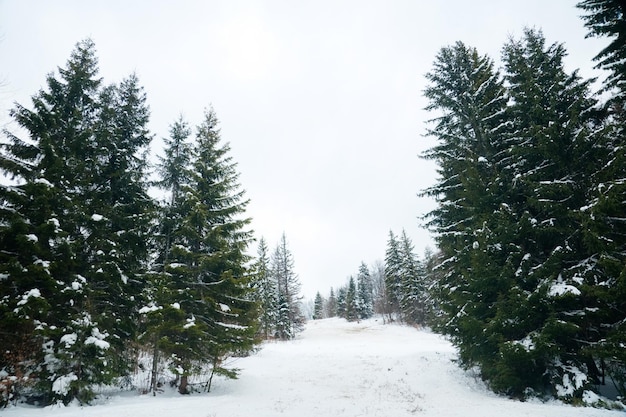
333, 369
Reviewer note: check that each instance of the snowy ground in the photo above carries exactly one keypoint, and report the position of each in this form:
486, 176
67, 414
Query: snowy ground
333, 369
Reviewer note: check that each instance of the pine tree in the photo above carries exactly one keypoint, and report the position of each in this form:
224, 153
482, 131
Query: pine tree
79, 218
161, 314
331, 304
365, 295
473, 217
352, 306
341, 301
290, 317
212, 309
318, 309
393, 277
604, 224
607, 18
413, 291
517, 285
266, 291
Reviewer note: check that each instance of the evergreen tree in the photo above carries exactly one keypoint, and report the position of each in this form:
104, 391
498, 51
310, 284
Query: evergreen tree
74, 228
516, 285
393, 276
331, 304
413, 292
365, 292
352, 306
470, 96
266, 291
212, 308
318, 309
341, 301
290, 317
603, 223
607, 18
162, 309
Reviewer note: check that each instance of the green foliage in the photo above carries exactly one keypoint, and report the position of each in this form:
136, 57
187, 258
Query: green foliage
522, 278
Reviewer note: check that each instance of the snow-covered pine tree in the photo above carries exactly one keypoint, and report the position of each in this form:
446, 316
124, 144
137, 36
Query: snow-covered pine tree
393, 277
607, 18
469, 97
552, 113
290, 317
413, 292
215, 315
266, 291
161, 303
331, 304
318, 308
352, 306
365, 294
604, 220
341, 301
78, 216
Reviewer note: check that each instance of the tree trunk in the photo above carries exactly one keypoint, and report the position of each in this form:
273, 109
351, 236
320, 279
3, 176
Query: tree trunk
182, 388
155, 367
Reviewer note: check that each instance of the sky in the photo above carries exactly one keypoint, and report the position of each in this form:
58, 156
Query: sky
321, 101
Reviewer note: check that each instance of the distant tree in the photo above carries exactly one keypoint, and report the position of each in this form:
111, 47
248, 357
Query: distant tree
341, 301
290, 317
413, 291
318, 309
331, 304
365, 296
393, 276
266, 291
352, 304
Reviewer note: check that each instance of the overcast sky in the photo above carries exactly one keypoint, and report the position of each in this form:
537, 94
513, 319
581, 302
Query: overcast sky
321, 101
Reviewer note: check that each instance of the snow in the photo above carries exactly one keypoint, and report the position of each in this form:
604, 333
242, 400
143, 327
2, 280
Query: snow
97, 339
224, 308
149, 309
560, 288
32, 238
97, 217
61, 385
190, 322
35, 293
335, 368
69, 339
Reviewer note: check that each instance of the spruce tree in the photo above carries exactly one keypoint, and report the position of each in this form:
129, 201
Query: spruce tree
266, 291
604, 224
413, 291
211, 313
607, 18
78, 218
352, 305
318, 309
331, 304
365, 295
290, 317
393, 277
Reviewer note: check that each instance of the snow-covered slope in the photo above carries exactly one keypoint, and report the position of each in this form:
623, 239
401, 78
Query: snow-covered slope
333, 369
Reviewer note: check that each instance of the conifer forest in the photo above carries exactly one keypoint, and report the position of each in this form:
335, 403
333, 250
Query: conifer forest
112, 261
